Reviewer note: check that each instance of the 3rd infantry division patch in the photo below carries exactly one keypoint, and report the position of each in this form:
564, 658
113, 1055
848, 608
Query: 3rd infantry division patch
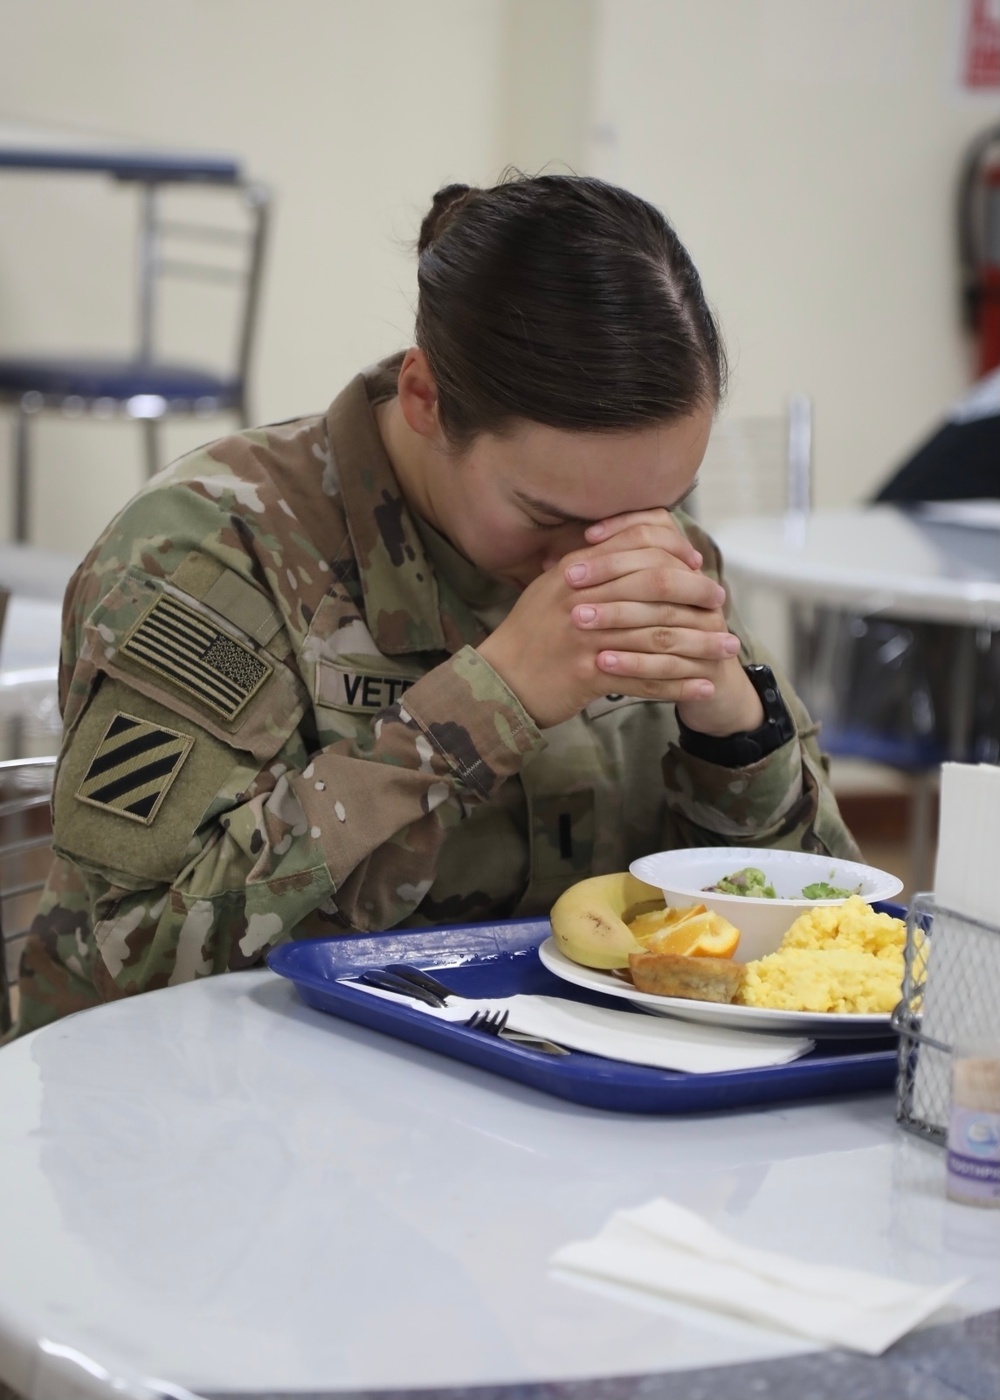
133, 768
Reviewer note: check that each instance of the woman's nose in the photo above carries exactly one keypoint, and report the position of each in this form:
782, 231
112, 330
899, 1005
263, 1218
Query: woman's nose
562, 544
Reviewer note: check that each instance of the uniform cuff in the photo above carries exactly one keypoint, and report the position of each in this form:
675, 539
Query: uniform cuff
735, 802
474, 720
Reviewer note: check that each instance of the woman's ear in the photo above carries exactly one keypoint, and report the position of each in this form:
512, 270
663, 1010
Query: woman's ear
418, 396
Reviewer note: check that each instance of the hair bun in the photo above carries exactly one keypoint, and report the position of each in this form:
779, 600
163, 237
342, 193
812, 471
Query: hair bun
446, 204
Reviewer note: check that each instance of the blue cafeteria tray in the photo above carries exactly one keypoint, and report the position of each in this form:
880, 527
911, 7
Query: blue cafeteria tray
500, 959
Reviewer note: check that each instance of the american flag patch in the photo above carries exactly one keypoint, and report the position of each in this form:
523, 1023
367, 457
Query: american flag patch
133, 768
188, 650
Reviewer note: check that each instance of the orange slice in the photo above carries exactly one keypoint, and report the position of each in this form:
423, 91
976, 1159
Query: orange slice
696, 932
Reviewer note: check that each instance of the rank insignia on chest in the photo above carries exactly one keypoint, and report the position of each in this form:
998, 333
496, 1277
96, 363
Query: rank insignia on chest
191, 652
133, 768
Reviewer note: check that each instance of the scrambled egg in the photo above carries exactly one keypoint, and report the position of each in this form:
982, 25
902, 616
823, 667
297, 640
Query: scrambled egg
840, 958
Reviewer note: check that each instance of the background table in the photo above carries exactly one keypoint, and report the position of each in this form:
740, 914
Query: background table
880, 561
216, 1184
29, 648
872, 559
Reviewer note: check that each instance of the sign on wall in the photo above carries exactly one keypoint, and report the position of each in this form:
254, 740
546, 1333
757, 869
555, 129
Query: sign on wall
981, 46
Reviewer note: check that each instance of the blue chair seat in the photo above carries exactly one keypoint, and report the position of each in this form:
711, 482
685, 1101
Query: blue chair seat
88, 378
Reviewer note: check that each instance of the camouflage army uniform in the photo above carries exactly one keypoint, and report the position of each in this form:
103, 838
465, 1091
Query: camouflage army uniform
277, 725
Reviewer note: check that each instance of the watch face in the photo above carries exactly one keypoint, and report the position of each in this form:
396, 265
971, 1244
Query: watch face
775, 710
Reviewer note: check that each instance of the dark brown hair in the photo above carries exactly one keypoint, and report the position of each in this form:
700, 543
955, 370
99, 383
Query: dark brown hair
562, 300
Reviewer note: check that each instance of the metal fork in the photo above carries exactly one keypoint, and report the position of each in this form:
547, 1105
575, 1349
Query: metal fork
400, 976
492, 1022
495, 1023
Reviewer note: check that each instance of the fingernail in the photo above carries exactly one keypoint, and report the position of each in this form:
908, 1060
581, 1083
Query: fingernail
576, 573
731, 645
596, 532
720, 594
697, 559
609, 660
705, 690
586, 613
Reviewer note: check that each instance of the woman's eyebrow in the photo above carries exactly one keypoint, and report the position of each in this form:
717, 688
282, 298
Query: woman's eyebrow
546, 508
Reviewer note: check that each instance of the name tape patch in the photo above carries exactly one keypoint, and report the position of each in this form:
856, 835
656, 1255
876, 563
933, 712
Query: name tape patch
134, 767
355, 690
188, 650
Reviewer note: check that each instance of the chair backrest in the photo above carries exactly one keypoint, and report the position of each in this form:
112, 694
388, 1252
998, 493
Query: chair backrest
756, 466
205, 234
25, 856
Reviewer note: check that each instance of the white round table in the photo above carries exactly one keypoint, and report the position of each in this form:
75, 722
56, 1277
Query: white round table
29, 648
30, 722
32, 572
217, 1185
873, 559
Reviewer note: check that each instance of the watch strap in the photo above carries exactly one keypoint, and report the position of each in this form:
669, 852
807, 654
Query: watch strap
743, 749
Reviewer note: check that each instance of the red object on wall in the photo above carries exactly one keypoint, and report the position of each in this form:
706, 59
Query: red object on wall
982, 46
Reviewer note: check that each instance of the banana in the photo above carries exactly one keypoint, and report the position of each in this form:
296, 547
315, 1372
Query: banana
588, 919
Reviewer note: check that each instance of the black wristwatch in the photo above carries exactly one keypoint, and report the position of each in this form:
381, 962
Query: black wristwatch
741, 750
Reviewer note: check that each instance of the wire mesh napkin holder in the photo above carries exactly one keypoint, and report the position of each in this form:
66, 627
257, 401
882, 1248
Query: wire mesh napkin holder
951, 989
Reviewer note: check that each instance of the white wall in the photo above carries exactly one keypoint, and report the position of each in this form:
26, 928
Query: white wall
806, 149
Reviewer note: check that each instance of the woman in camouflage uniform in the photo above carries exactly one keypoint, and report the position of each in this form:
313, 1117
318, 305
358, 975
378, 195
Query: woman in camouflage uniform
434, 654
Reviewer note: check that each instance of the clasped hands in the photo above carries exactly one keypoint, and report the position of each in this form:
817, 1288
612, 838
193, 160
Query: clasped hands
629, 613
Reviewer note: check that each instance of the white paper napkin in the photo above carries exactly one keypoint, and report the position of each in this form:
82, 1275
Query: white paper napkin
965, 873
962, 989
663, 1249
624, 1035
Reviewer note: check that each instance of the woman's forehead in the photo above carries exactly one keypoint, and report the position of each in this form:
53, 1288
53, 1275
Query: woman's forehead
587, 475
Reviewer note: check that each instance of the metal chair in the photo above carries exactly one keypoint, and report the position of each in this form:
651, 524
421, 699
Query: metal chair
25, 846
757, 466
146, 387
877, 691
763, 466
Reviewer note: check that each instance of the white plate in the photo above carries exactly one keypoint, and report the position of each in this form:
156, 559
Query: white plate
820, 1025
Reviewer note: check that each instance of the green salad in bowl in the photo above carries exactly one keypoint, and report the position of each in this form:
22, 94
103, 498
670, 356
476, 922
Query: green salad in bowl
752, 883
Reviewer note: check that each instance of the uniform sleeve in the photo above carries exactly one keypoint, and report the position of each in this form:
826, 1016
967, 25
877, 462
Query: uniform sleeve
783, 801
202, 844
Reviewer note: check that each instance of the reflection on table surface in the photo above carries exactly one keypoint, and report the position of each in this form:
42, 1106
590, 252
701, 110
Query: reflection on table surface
220, 1185
875, 559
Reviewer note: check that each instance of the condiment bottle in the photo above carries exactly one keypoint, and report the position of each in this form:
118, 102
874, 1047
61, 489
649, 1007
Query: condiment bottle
974, 1125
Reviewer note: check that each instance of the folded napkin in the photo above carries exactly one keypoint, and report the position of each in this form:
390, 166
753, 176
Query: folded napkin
663, 1249
629, 1036
962, 988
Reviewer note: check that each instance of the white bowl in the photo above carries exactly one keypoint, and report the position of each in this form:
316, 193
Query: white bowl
683, 875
